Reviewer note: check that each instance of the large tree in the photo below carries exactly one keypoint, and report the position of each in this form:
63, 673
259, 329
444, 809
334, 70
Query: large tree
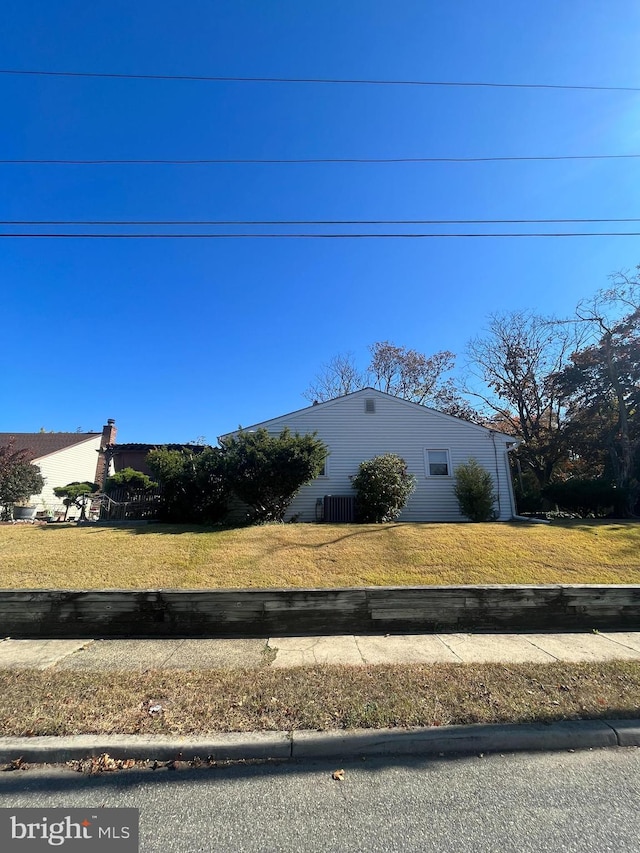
397, 370
339, 376
601, 386
512, 368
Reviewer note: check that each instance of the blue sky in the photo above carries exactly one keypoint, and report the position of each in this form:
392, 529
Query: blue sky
177, 339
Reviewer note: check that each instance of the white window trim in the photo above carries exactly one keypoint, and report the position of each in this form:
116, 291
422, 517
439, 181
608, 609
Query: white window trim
428, 450
325, 476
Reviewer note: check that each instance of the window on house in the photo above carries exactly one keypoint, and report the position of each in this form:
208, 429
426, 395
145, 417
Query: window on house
437, 463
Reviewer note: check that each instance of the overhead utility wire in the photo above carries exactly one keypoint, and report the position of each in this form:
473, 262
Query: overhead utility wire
305, 221
307, 160
313, 80
310, 236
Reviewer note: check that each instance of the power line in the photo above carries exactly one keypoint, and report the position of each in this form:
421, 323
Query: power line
314, 80
307, 221
312, 160
312, 236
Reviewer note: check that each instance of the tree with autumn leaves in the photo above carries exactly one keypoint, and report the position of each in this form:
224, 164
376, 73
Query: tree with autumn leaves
19, 479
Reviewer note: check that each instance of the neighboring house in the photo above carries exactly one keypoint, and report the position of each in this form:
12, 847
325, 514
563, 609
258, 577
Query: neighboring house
64, 457
367, 423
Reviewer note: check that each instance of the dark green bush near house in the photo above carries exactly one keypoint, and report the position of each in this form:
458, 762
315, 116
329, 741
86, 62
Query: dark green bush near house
194, 489
266, 472
474, 491
383, 486
586, 497
527, 490
129, 479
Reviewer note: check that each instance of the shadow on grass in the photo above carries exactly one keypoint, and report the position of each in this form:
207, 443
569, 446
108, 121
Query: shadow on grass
138, 529
178, 529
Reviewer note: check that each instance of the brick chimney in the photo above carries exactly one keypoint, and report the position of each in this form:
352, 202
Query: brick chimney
105, 454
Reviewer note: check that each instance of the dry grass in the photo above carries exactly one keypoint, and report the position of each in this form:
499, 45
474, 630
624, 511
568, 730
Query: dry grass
322, 698
309, 555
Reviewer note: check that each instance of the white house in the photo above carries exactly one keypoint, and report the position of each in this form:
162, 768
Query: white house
64, 457
367, 423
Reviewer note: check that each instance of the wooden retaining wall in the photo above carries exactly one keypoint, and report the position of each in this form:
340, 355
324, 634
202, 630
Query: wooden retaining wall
281, 612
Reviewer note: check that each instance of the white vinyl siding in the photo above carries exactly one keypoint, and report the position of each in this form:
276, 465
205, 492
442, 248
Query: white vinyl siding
399, 427
71, 464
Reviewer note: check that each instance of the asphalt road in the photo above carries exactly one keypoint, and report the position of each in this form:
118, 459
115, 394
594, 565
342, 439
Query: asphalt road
516, 803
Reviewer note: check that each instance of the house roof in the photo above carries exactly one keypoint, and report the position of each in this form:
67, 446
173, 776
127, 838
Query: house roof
369, 392
141, 447
40, 444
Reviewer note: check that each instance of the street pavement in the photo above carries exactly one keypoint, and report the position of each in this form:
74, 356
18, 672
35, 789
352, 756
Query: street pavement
140, 655
582, 802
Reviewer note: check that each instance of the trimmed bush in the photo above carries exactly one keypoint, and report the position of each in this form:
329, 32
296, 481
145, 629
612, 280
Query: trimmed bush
383, 486
474, 491
267, 471
585, 497
76, 494
131, 480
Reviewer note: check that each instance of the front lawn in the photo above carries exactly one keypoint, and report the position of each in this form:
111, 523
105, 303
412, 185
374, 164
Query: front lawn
310, 555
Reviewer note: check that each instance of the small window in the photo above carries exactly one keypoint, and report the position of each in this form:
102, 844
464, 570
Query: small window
325, 468
369, 406
437, 463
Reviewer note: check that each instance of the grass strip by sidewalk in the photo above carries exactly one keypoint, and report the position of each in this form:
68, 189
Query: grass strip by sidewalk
34, 702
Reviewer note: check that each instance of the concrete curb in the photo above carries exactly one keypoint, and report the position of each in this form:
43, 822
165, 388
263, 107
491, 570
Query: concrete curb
224, 746
455, 740
441, 741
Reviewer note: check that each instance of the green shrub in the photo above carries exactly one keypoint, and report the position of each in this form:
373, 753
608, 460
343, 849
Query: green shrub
193, 486
474, 491
76, 494
267, 471
129, 479
585, 497
383, 486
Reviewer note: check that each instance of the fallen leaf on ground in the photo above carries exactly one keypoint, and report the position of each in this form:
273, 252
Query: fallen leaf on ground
101, 764
338, 775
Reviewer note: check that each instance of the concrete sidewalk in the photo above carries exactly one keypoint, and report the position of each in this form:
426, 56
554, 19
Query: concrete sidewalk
140, 655
167, 655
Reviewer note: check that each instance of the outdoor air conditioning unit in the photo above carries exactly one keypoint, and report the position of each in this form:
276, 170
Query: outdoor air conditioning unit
339, 508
